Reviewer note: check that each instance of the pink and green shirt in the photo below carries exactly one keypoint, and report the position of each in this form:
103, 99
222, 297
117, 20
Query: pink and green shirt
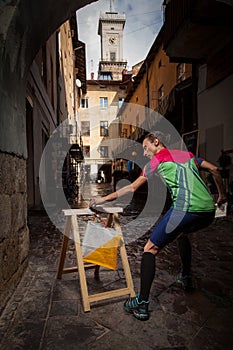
179, 169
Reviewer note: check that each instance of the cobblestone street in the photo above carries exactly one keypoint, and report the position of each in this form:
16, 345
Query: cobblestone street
47, 314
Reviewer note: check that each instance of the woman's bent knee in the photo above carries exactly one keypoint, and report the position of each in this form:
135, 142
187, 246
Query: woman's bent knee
150, 247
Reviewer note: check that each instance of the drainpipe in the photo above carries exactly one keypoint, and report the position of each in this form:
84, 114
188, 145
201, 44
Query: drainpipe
147, 92
58, 78
147, 87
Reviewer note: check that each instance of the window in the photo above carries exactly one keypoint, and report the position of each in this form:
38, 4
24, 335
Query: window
85, 128
124, 133
104, 151
161, 64
120, 102
112, 56
83, 102
160, 94
154, 95
130, 129
71, 129
103, 128
86, 151
105, 76
103, 102
180, 72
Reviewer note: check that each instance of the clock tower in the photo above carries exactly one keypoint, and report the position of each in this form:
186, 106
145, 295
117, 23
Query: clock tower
111, 65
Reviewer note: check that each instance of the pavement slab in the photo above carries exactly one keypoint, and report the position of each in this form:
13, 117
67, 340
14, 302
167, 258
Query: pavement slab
45, 313
24, 334
72, 332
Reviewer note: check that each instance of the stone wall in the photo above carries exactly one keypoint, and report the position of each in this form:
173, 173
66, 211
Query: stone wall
14, 235
24, 27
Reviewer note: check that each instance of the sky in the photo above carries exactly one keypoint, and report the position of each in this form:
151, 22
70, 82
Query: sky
144, 19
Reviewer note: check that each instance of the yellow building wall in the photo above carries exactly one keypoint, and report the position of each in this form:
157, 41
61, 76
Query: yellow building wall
162, 74
67, 73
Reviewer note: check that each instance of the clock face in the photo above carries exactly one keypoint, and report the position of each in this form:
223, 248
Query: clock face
112, 40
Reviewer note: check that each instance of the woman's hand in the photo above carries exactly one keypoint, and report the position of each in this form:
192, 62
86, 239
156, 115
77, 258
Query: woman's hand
95, 201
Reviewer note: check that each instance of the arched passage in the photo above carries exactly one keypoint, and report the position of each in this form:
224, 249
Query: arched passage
24, 26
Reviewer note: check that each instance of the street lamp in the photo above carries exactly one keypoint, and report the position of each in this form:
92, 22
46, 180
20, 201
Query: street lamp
134, 153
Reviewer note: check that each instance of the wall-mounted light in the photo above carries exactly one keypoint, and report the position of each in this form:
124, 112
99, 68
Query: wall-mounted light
134, 154
78, 83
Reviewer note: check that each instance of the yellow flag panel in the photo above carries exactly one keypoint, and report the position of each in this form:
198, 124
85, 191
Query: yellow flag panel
105, 255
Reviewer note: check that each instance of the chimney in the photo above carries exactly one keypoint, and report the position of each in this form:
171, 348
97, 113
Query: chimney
92, 75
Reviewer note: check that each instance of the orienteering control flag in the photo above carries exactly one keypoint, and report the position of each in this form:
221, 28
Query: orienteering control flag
100, 245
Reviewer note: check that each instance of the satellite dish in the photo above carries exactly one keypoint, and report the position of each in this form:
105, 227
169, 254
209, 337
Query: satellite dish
78, 83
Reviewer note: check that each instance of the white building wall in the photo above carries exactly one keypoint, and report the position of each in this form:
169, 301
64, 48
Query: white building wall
215, 119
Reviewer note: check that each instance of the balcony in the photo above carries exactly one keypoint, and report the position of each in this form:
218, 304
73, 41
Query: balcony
197, 29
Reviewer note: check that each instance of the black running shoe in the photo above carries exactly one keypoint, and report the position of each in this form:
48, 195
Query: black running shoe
186, 282
138, 309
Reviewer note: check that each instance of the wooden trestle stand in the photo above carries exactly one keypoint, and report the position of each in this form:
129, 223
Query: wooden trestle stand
71, 226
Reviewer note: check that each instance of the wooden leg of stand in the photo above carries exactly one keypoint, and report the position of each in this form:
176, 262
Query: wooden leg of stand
128, 276
109, 220
64, 248
124, 258
81, 269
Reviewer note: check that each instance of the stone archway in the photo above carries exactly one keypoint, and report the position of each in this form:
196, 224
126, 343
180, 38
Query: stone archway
24, 26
